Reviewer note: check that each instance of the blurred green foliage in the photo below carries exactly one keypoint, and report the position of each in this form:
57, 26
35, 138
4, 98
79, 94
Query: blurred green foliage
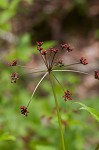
97, 34
92, 111
38, 131
8, 11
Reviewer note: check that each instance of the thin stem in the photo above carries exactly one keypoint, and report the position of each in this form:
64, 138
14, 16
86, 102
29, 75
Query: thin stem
73, 71
43, 60
72, 64
65, 65
58, 82
36, 88
52, 60
26, 67
46, 61
55, 65
36, 72
58, 113
63, 54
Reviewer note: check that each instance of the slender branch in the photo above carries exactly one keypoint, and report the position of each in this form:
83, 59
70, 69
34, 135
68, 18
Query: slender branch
49, 59
26, 67
55, 65
36, 88
63, 54
42, 71
58, 82
65, 65
46, 61
72, 71
43, 60
52, 60
58, 113
72, 64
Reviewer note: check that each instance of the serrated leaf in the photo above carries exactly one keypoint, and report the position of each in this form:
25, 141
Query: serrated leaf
91, 110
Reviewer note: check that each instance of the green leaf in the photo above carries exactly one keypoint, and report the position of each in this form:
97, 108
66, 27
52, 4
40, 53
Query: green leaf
49, 44
13, 4
4, 26
41, 147
7, 136
92, 111
3, 4
5, 16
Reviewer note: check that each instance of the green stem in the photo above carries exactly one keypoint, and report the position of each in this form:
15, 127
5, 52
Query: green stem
58, 113
59, 82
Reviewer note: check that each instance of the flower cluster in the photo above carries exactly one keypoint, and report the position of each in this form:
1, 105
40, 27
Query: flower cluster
67, 47
97, 74
53, 64
67, 95
24, 110
13, 63
14, 77
83, 61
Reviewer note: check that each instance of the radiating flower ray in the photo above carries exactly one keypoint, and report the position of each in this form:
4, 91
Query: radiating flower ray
35, 72
26, 67
52, 61
71, 64
62, 65
58, 82
75, 71
36, 88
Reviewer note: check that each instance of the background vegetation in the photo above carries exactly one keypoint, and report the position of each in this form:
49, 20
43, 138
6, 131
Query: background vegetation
22, 23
